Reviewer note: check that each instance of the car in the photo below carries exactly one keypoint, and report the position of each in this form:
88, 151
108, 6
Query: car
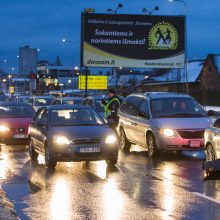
40, 101
71, 133
15, 118
96, 103
212, 141
67, 101
162, 122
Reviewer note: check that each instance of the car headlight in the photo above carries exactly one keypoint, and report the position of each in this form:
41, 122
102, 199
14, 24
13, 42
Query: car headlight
4, 128
110, 139
167, 132
62, 140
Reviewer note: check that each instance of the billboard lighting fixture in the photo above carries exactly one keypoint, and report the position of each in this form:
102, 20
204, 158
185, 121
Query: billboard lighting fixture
110, 11
145, 10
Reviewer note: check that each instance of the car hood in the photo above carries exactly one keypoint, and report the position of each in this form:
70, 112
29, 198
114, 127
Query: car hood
81, 131
183, 123
16, 122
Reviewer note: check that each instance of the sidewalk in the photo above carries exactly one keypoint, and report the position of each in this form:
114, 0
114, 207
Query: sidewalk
6, 208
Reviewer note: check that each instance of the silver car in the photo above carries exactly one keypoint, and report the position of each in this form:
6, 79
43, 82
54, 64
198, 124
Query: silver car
212, 141
162, 122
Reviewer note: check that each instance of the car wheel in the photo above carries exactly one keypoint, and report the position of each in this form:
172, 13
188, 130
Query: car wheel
49, 160
112, 161
32, 153
210, 153
124, 143
152, 147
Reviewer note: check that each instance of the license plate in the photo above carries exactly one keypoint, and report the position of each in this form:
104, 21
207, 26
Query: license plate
20, 136
89, 149
194, 143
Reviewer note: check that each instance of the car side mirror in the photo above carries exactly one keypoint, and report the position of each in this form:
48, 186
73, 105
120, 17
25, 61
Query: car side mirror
142, 115
211, 113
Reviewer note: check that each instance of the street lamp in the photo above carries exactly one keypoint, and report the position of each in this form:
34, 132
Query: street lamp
145, 10
64, 40
111, 11
186, 61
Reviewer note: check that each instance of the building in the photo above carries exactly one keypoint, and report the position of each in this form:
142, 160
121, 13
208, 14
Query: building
203, 80
27, 60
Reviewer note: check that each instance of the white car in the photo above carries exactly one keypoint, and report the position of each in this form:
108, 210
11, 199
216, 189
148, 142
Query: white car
212, 141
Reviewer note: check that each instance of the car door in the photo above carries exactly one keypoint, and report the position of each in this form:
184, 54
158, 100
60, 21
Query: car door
42, 130
141, 124
33, 126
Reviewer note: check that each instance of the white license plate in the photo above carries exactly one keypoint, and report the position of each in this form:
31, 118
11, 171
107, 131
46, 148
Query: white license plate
20, 136
194, 143
89, 149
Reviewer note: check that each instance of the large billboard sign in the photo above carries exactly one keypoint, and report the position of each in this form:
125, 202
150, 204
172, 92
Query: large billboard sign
141, 41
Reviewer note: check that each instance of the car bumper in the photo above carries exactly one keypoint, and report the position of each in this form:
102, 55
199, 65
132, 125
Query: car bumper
71, 153
14, 138
178, 144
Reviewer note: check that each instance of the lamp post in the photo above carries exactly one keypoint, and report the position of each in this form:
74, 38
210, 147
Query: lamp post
145, 10
186, 60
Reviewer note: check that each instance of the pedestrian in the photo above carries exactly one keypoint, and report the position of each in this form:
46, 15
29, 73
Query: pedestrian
111, 109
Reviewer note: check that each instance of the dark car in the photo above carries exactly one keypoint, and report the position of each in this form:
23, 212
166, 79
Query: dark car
15, 118
67, 101
71, 133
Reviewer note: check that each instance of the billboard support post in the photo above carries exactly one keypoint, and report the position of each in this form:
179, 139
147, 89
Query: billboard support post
86, 89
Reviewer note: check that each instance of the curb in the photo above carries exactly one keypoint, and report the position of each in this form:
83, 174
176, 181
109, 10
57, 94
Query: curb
7, 211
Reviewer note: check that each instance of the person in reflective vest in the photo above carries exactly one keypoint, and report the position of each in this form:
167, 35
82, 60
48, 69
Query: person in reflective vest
111, 108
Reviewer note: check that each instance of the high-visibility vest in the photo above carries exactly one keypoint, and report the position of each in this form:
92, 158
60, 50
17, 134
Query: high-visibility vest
106, 107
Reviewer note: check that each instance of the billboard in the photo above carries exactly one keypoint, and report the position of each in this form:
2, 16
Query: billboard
116, 40
93, 82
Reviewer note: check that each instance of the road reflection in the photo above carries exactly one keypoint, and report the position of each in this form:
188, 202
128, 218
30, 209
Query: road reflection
4, 163
60, 203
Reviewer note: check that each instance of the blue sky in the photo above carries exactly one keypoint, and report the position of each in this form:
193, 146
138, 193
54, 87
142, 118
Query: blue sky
43, 23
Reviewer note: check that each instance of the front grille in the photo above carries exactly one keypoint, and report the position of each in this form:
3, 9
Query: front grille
191, 134
87, 141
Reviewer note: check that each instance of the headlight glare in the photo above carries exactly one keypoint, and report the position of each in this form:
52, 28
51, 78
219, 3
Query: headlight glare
4, 128
110, 139
62, 140
167, 132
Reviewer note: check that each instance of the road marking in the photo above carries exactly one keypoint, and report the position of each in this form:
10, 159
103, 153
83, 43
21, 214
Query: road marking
206, 197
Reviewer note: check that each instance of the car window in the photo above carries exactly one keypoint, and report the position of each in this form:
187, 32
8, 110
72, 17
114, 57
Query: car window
42, 101
16, 112
130, 105
143, 107
217, 123
75, 117
44, 114
39, 114
176, 107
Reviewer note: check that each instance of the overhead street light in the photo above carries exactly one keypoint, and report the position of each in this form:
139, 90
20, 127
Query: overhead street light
186, 51
145, 10
64, 40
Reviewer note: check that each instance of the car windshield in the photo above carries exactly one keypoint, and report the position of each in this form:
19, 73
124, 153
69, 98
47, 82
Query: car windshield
72, 102
43, 101
176, 107
16, 112
75, 117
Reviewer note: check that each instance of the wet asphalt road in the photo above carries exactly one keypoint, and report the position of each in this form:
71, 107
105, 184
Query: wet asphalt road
170, 187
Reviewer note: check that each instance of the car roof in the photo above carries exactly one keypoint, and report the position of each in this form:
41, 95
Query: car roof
42, 97
97, 97
155, 95
70, 98
60, 107
14, 104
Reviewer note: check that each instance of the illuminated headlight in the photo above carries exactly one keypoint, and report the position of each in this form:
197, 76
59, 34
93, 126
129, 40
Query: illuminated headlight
110, 139
62, 140
167, 132
4, 128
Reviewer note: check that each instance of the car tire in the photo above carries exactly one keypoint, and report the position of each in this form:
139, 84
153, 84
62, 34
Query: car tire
49, 160
151, 145
112, 161
210, 153
123, 141
32, 153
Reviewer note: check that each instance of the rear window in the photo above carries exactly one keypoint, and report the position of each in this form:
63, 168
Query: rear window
16, 112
